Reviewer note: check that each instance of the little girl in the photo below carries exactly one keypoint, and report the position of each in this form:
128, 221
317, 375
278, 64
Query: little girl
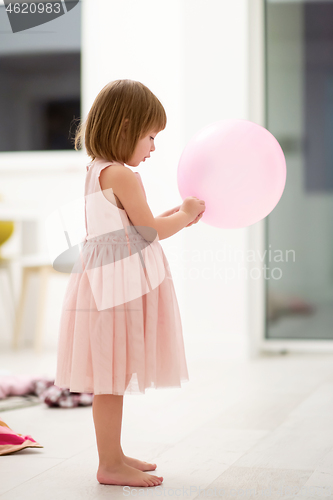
120, 328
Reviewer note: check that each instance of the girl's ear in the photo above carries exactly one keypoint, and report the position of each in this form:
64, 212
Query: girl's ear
124, 128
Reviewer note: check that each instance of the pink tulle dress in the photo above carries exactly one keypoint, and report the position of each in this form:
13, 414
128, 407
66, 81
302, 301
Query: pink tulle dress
120, 328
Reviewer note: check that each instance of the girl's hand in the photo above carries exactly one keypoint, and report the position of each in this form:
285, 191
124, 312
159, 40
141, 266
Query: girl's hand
193, 207
176, 209
198, 217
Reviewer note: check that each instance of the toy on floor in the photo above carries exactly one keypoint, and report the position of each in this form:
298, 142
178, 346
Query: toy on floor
54, 396
44, 388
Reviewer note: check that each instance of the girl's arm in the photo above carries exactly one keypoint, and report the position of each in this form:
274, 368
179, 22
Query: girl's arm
124, 183
170, 212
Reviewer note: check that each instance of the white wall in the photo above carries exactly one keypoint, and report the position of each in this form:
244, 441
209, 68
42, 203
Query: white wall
214, 87
193, 55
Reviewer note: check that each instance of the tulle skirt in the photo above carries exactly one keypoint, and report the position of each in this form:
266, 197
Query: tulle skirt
120, 328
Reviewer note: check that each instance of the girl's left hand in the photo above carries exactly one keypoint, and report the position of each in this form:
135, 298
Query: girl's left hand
198, 217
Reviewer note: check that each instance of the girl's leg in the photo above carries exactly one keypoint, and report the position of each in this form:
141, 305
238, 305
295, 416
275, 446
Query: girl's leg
134, 462
107, 415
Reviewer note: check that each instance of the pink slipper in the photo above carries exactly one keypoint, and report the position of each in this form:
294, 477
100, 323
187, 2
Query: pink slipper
10, 441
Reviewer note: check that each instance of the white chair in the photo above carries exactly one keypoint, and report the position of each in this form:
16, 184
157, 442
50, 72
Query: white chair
65, 227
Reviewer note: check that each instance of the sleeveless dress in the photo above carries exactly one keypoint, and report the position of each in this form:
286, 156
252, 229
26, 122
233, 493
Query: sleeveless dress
120, 327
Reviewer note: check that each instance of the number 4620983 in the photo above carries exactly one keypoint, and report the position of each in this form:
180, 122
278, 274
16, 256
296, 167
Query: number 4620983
34, 8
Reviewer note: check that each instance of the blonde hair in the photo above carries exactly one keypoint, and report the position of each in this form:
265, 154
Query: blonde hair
120, 103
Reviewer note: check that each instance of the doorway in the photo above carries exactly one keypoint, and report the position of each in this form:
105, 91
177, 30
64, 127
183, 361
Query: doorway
299, 113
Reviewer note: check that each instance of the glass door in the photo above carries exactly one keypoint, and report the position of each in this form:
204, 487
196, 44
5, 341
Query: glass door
299, 113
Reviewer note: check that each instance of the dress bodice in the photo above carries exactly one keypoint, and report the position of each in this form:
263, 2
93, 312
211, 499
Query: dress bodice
103, 216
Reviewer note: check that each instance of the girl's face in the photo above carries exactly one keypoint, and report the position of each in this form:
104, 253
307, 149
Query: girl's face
143, 149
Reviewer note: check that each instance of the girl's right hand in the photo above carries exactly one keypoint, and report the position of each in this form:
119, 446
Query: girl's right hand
193, 206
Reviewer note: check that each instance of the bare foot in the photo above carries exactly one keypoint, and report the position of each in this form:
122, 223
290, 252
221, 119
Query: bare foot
139, 464
125, 475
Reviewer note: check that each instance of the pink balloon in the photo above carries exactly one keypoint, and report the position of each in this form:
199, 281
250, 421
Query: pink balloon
238, 168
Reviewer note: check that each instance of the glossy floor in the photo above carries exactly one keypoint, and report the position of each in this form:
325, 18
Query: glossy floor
239, 429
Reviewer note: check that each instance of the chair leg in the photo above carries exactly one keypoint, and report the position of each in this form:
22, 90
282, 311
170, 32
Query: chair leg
41, 304
20, 309
11, 300
6, 298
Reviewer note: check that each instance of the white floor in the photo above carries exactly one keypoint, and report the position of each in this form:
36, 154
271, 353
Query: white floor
238, 429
